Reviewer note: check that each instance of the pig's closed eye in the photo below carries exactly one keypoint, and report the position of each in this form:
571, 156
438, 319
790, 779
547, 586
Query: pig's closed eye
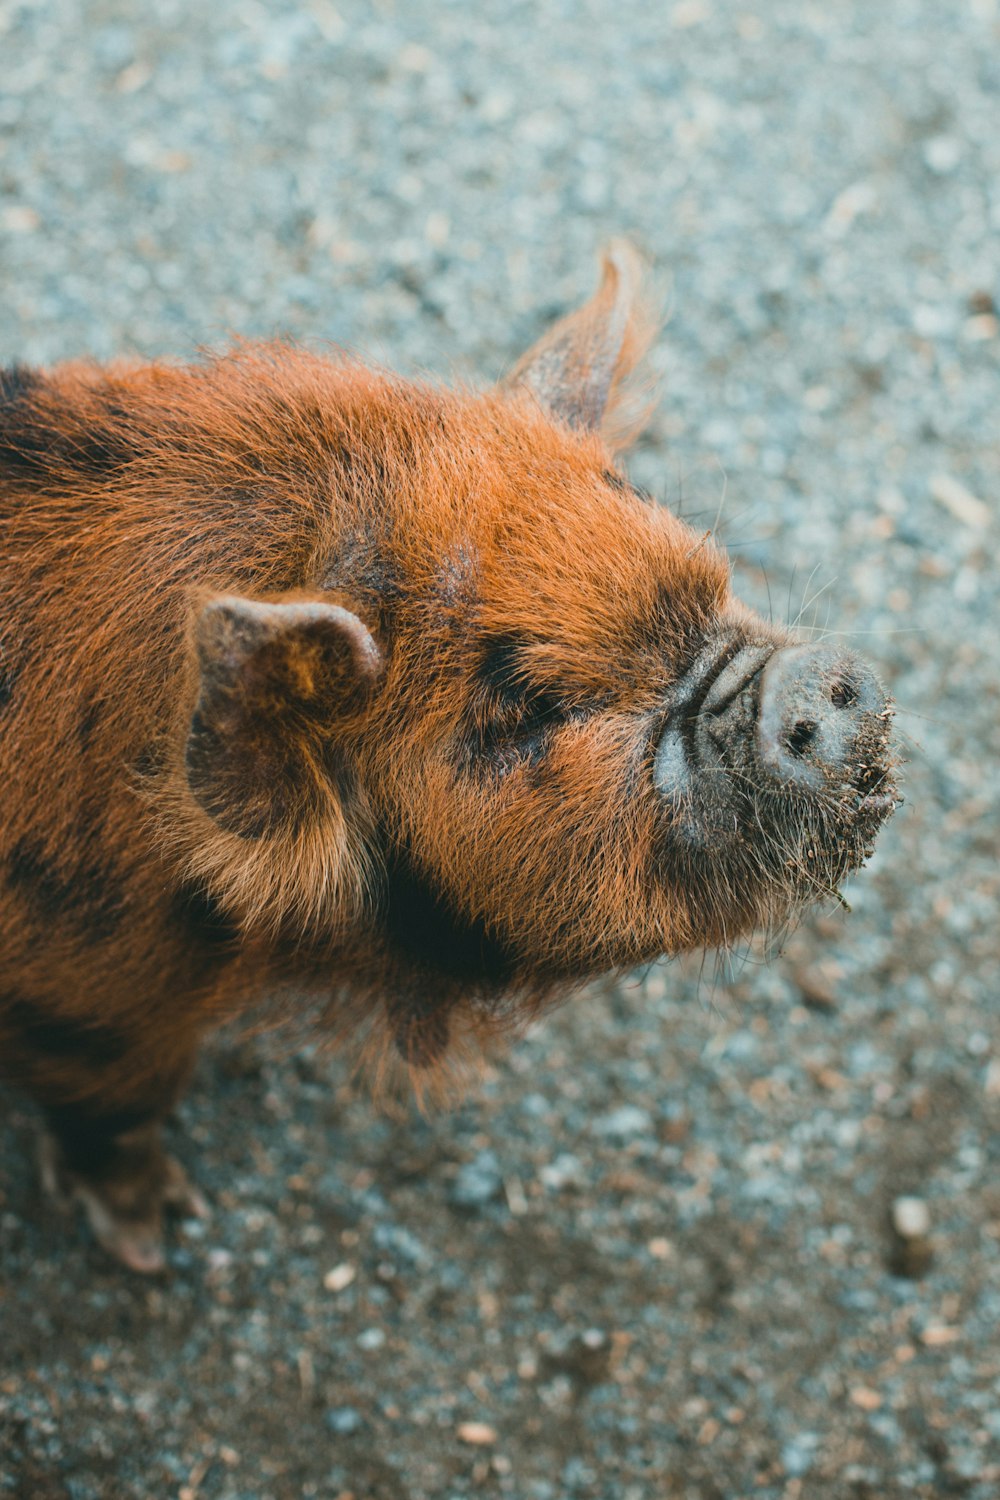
500, 678
511, 717
514, 733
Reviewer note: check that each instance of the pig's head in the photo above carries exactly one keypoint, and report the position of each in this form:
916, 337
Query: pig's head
513, 729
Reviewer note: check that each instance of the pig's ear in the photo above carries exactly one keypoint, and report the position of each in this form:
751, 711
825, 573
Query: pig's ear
576, 370
276, 682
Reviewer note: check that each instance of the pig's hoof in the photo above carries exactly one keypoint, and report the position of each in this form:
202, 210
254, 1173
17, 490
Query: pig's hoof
125, 1213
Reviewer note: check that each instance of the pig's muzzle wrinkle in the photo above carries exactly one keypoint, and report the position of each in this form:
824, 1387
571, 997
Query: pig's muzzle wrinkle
702, 748
705, 706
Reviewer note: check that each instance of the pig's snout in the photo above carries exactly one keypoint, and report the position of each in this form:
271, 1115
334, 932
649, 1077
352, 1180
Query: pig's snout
759, 730
822, 721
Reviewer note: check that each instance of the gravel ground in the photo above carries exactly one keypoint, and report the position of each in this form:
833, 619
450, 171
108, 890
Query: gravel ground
654, 1257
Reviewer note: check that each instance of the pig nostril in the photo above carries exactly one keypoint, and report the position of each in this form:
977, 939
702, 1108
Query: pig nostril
822, 725
843, 694
801, 737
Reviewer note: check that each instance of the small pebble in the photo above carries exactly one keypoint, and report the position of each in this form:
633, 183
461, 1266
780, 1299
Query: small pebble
562, 1172
911, 1225
798, 1455
340, 1277
937, 1334
942, 153
911, 1218
478, 1182
478, 1434
627, 1121
343, 1420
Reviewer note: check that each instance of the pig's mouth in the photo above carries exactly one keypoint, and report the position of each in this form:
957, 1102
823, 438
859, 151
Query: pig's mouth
776, 760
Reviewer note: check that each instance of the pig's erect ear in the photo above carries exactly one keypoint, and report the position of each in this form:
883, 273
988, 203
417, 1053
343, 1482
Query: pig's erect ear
276, 681
576, 370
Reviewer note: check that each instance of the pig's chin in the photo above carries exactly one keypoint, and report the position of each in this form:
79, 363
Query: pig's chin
775, 769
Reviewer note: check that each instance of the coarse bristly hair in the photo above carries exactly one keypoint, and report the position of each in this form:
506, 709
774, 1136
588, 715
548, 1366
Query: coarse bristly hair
344, 688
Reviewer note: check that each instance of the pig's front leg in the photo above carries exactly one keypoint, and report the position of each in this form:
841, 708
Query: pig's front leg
113, 1164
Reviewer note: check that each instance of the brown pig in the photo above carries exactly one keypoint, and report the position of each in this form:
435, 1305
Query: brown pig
395, 704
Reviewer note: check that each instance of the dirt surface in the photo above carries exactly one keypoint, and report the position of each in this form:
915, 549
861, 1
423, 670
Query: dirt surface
654, 1256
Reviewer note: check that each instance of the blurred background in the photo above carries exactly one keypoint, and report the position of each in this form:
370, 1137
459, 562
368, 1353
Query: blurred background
661, 1253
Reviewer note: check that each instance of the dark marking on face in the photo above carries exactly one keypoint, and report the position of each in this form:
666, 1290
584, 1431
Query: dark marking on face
196, 914
88, 895
62, 1037
456, 585
672, 631
498, 751
422, 926
361, 570
511, 719
501, 668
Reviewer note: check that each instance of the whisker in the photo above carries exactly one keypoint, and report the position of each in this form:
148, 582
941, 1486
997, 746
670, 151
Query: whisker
812, 599
901, 630
912, 713
722, 497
